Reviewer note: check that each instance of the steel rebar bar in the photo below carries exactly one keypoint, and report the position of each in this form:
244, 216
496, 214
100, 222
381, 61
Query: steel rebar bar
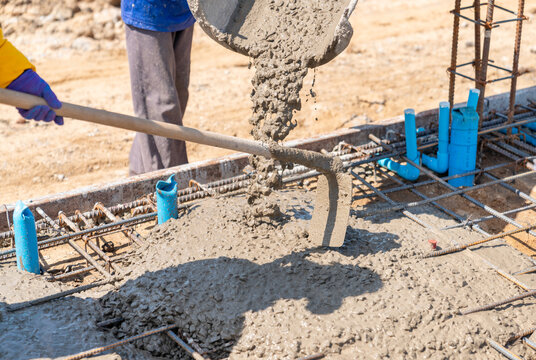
529, 343
474, 201
515, 66
75, 246
101, 349
502, 350
478, 242
488, 217
447, 195
499, 303
88, 241
128, 232
26, 304
454, 52
194, 354
521, 334
485, 59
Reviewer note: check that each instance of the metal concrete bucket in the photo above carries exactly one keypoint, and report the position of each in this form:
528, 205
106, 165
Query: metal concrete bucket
237, 25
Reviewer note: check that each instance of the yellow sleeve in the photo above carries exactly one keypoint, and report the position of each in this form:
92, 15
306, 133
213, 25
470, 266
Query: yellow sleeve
12, 62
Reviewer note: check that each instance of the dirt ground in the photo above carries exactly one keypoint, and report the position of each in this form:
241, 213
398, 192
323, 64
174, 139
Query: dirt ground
267, 292
397, 59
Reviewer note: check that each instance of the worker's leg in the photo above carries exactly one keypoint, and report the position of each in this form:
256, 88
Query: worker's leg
183, 47
151, 57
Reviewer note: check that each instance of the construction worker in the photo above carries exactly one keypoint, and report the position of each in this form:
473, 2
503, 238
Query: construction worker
159, 41
17, 73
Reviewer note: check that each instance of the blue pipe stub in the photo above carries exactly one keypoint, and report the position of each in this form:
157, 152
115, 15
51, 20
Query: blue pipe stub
25, 239
472, 102
166, 199
463, 145
407, 171
440, 164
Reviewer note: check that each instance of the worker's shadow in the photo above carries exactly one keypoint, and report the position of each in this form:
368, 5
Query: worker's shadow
209, 299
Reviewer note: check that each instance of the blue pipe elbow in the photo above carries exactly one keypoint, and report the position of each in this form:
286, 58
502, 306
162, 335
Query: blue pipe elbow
25, 239
166, 200
407, 171
440, 164
410, 172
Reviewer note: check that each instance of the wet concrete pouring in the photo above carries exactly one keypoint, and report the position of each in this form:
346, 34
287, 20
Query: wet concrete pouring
263, 292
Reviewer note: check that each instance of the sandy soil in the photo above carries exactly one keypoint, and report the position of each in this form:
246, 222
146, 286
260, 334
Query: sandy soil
397, 59
266, 293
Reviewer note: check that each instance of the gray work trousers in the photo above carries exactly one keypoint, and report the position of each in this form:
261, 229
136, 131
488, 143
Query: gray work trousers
159, 75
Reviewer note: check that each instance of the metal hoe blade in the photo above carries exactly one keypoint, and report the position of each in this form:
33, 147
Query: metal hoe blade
332, 210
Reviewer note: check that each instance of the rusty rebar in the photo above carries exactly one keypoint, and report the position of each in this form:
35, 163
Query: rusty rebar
471, 199
78, 249
110, 322
477, 60
313, 357
92, 232
488, 217
485, 60
81, 271
194, 354
511, 278
27, 304
98, 350
65, 219
461, 192
128, 232
499, 303
519, 335
478, 242
454, 52
515, 66
525, 271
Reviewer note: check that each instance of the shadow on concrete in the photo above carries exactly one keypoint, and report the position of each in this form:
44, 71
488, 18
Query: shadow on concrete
207, 299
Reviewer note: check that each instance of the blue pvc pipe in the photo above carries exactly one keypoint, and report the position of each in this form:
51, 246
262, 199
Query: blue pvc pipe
25, 239
531, 126
440, 164
472, 102
166, 200
407, 171
463, 145
528, 138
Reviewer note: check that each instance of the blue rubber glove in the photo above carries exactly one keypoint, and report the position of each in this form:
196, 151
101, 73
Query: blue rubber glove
31, 83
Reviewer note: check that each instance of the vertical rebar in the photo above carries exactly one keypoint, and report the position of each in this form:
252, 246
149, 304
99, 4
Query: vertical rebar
476, 4
454, 52
515, 66
485, 59
128, 232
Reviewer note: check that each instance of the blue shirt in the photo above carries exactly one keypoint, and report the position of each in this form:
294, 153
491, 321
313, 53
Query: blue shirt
157, 15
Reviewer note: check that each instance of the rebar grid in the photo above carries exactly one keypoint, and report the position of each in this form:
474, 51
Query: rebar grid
481, 59
67, 230
494, 214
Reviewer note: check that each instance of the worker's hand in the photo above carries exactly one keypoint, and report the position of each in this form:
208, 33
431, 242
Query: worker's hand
31, 83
